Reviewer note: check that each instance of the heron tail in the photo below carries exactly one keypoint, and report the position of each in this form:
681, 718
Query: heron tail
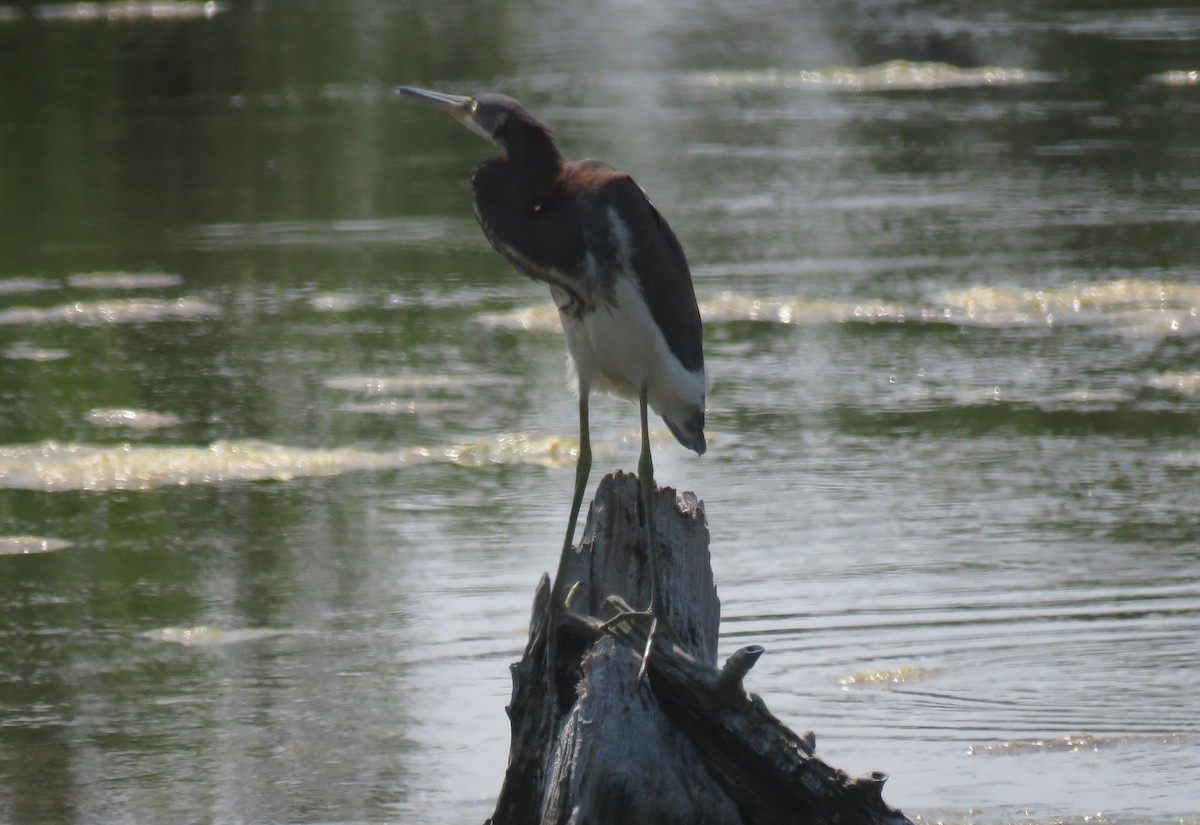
689, 433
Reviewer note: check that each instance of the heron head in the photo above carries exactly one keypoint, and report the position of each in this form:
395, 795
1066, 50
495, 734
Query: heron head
488, 115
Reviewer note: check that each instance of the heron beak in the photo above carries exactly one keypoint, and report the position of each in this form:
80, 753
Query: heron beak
454, 105
458, 107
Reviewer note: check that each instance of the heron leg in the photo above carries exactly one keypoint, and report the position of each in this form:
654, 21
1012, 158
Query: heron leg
647, 488
583, 467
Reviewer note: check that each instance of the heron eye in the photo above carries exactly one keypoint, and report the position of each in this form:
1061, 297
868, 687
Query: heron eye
473, 106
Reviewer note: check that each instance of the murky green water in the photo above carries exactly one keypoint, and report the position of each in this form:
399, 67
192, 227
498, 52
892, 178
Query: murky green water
284, 446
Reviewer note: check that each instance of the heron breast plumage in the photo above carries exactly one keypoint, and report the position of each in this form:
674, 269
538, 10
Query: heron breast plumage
616, 348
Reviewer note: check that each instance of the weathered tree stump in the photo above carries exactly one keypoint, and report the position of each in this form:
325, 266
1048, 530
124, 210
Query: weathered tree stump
603, 734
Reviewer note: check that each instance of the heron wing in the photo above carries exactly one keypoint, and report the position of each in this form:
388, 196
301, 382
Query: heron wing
661, 268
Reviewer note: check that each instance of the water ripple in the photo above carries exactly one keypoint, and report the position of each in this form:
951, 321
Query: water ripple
439, 231
116, 311
25, 545
54, 466
1146, 306
894, 75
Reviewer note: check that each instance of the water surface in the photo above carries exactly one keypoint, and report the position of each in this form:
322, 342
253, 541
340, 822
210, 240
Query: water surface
284, 446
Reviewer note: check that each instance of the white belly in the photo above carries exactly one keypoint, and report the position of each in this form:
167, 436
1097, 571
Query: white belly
617, 349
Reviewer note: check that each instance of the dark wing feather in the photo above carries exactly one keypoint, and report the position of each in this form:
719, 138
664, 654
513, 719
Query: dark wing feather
662, 270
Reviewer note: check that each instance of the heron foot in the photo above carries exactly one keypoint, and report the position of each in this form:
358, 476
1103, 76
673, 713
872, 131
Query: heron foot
628, 625
575, 588
647, 650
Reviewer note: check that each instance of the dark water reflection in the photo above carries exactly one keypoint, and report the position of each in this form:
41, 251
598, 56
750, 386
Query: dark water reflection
284, 447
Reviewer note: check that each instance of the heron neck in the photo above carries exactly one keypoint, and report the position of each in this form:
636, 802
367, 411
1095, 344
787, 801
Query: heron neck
523, 179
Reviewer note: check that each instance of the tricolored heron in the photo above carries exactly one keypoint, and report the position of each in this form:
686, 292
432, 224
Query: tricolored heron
616, 273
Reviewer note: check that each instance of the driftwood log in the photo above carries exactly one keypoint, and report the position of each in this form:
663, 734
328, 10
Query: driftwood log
613, 722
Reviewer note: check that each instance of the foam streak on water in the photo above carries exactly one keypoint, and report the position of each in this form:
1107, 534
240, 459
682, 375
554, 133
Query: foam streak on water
51, 466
